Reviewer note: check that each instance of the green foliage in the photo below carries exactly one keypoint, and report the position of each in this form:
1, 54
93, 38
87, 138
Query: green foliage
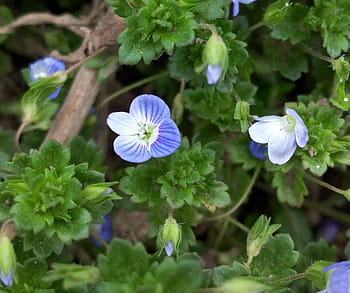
186, 177
48, 199
128, 268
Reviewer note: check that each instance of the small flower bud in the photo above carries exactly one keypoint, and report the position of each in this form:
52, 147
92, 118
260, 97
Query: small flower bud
215, 57
7, 260
170, 235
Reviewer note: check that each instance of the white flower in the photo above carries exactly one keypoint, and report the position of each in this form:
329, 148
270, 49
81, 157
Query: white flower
282, 135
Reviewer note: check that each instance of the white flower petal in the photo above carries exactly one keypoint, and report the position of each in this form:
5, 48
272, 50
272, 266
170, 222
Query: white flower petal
122, 123
301, 131
281, 147
168, 140
262, 131
213, 73
269, 118
151, 108
130, 149
246, 1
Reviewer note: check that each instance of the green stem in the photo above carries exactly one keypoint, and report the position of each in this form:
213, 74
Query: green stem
325, 210
208, 27
325, 184
132, 86
18, 135
239, 225
99, 238
256, 26
5, 171
317, 54
291, 278
221, 233
242, 199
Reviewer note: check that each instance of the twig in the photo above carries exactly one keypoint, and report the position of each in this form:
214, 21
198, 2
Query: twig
18, 135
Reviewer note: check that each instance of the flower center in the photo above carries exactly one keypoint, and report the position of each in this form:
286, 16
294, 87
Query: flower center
39, 75
288, 123
148, 133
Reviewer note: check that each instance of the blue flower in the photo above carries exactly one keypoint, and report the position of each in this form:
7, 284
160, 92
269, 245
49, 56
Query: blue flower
282, 135
339, 280
169, 248
213, 73
146, 132
104, 230
44, 68
7, 280
258, 150
236, 5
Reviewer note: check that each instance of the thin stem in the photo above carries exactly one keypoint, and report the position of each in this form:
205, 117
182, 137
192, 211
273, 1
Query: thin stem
330, 212
18, 135
317, 54
292, 278
131, 87
5, 171
208, 27
77, 65
242, 199
221, 233
8, 229
239, 225
99, 238
256, 26
325, 184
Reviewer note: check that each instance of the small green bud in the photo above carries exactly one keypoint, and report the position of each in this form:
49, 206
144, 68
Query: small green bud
258, 235
7, 259
243, 285
170, 235
215, 52
242, 113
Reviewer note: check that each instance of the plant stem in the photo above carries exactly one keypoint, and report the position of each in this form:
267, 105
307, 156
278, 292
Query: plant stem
317, 54
208, 27
255, 26
242, 199
18, 135
239, 225
221, 233
291, 278
325, 184
5, 171
132, 86
99, 238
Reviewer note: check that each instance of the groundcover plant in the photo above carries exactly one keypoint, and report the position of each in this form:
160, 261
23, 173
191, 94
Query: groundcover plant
174, 146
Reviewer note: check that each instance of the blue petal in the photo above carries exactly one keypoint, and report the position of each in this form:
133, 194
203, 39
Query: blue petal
213, 73
169, 248
149, 108
130, 149
168, 140
301, 131
258, 150
48, 66
55, 93
122, 123
281, 147
7, 280
104, 230
235, 7
246, 1
341, 264
338, 282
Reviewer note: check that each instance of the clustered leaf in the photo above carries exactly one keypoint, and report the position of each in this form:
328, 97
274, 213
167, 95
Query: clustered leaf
46, 196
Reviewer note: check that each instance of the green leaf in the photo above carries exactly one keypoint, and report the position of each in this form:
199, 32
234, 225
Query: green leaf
277, 258
315, 274
124, 263
224, 273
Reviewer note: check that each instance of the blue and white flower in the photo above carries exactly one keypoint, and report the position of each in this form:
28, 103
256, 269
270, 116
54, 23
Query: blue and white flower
282, 135
146, 131
339, 279
169, 248
236, 5
44, 68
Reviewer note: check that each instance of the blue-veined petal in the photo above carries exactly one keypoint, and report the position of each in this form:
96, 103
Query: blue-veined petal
149, 108
169, 248
262, 131
344, 264
7, 280
235, 7
168, 140
301, 131
45, 67
104, 230
130, 149
213, 73
281, 147
122, 123
269, 118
